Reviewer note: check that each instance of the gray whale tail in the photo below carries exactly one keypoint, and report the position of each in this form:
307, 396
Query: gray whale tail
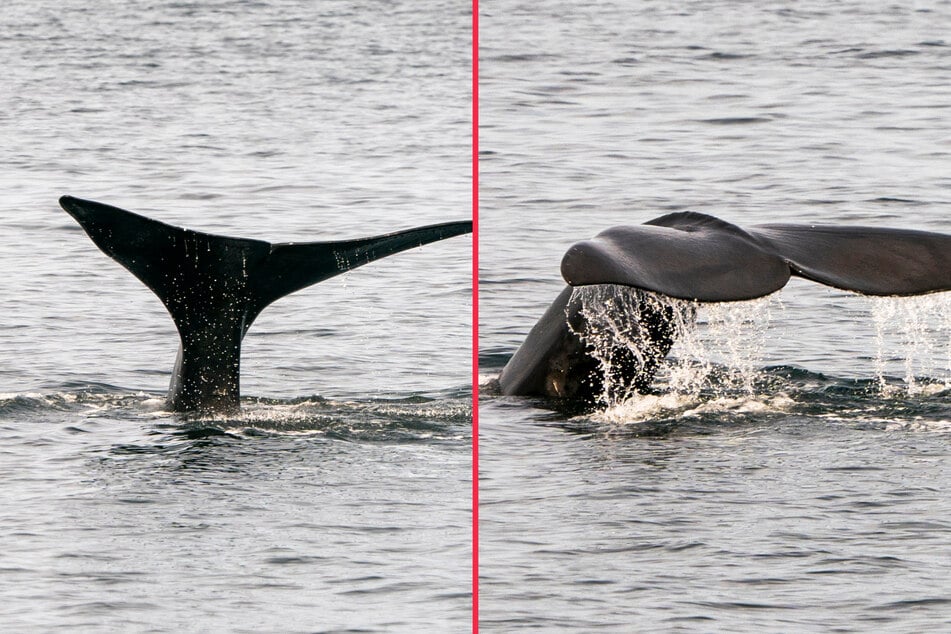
215, 286
700, 258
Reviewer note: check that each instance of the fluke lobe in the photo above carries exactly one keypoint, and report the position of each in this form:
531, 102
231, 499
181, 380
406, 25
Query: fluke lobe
700, 258
215, 286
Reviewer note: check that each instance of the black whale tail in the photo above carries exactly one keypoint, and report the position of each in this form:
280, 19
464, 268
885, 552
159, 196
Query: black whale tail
215, 286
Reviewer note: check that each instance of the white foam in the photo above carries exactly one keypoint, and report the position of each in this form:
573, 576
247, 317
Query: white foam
488, 382
647, 407
919, 425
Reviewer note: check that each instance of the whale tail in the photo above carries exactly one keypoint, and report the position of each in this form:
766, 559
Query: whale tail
700, 258
215, 286
693, 256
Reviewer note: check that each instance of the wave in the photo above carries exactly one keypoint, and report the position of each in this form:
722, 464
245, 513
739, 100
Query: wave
782, 395
786, 392
717, 372
407, 418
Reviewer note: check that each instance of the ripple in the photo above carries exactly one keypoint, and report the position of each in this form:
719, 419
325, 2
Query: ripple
735, 120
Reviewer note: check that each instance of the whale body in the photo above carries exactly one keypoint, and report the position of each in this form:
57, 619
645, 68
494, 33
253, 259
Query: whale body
215, 286
699, 258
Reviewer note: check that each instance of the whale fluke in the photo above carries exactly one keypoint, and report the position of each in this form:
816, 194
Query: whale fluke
867, 260
700, 258
693, 256
215, 286
292, 266
685, 255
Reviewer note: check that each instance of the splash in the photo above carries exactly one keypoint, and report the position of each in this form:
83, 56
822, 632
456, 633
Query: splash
637, 324
724, 352
915, 333
717, 361
718, 348
680, 406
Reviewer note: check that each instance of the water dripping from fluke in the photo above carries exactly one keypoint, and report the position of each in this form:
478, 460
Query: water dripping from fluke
628, 332
915, 334
715, 361
654, 357
605, 344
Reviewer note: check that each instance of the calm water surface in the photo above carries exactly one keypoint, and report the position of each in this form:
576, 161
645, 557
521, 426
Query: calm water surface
340, 497
790, 472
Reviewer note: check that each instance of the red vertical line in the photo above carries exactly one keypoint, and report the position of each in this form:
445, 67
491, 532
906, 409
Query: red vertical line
475, 316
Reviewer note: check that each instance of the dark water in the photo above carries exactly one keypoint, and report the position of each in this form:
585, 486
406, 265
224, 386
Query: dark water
790, 472
340, 497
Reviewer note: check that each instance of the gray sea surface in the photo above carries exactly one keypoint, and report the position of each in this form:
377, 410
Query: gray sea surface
339, 499
790, 471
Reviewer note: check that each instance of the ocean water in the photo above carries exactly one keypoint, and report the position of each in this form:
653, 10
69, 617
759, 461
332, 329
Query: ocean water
339, 499
789, 473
